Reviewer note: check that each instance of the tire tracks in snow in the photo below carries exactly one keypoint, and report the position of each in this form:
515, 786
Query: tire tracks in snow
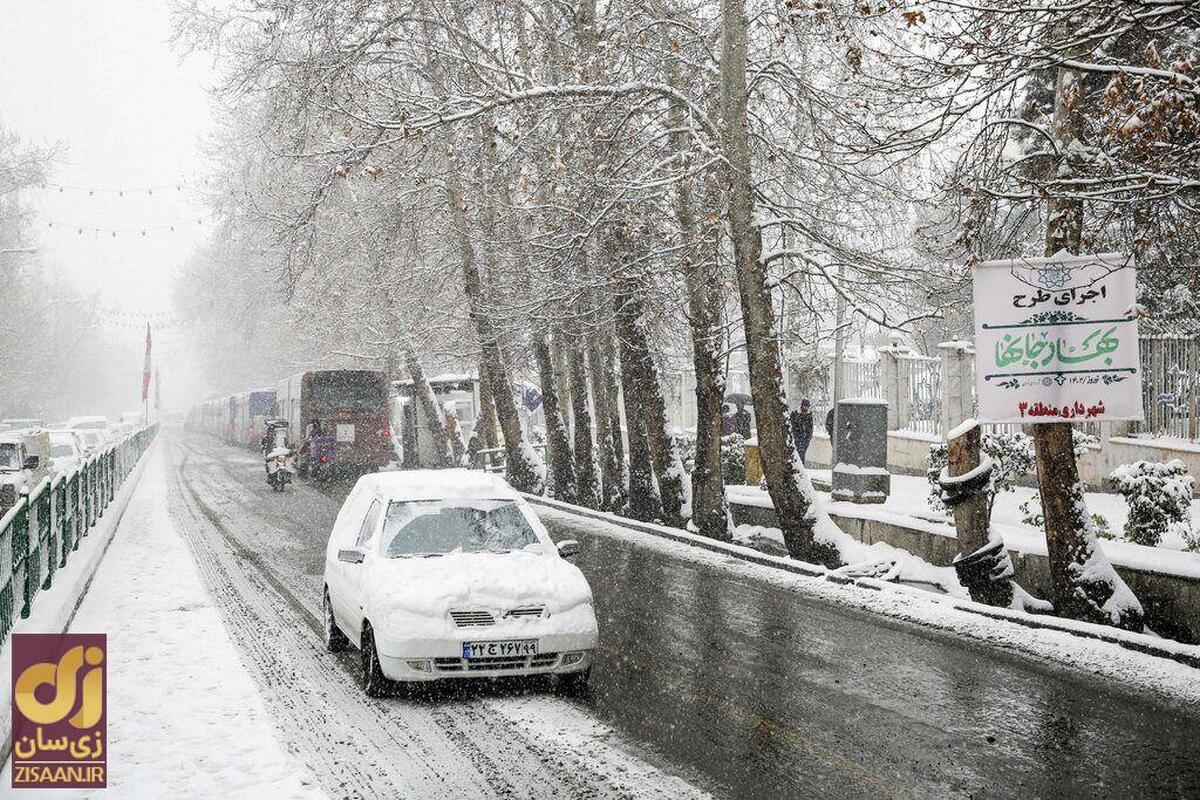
360, 747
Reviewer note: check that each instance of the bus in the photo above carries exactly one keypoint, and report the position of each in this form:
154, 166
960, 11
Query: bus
249, 411
351, 408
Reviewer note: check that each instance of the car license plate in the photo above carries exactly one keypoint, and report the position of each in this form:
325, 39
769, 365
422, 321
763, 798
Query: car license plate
522, 647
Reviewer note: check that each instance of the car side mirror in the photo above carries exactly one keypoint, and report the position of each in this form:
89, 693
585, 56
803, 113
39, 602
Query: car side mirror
568, 548
31, 462
351, 555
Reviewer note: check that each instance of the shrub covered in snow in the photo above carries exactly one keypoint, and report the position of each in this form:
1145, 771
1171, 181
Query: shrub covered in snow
1159, 496
733, 459
1011, 454
1031, 514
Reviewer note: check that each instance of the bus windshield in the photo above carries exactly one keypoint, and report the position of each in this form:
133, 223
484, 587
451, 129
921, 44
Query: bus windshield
357, 392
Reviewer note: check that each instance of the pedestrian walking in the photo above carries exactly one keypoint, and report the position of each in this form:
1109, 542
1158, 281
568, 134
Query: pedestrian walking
802, 428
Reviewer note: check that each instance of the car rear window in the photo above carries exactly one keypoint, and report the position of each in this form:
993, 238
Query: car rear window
437, 527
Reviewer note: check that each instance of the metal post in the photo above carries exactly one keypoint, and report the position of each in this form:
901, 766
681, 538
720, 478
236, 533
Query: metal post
839, 352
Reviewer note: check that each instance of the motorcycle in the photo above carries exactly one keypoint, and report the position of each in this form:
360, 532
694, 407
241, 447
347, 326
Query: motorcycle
277, 455
321, 451
279, 468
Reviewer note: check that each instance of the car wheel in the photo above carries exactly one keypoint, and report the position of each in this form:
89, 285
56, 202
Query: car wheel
335, 640
374, 682
575, 684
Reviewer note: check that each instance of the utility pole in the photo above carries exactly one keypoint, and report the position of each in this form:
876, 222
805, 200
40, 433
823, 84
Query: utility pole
839, 355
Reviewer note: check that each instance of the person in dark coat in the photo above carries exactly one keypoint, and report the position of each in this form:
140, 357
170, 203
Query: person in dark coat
802, 428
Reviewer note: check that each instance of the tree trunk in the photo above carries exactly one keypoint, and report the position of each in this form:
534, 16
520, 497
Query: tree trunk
558, 447
784, 475
664, 453
612, 487
710, 507
434, 423
487, 411
1085, 586
523, 467
586, 469
645, 503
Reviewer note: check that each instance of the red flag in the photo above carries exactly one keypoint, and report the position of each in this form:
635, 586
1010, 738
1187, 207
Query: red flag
146, 367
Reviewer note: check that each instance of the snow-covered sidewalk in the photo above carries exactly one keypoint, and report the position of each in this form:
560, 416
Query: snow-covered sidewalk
185, 719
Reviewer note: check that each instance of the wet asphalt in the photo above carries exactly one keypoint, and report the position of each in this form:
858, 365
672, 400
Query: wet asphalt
754, 690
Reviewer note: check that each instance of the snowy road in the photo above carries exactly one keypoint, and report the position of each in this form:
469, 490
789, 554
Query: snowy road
734, 685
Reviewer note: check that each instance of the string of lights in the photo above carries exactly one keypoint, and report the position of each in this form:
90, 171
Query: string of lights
114, 232
127, 191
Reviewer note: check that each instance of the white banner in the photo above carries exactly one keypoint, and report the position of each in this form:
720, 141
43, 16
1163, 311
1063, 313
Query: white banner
1056, 340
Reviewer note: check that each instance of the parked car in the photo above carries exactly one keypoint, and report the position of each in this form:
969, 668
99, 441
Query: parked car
95, 424
92, 438
67, 449
24, 462
438, 574
22, 423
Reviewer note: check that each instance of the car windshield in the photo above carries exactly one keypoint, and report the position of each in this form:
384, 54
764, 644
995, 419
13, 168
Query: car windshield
436, 527
10, 456
62, 451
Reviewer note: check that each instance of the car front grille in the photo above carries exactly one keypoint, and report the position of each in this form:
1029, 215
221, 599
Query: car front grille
525, 612
496, 663
472, 619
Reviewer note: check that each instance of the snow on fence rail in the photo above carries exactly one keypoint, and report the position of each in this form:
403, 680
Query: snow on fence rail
39, 533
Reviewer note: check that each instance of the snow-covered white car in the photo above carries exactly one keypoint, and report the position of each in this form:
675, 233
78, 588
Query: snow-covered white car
67, 449
93, 427
449, 574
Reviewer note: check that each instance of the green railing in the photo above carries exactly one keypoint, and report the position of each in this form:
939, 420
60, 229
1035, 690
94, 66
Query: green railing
39, 533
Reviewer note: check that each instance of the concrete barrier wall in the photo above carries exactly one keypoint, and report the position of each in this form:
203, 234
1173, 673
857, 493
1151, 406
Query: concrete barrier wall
1171, 601
1098, 462
908, 452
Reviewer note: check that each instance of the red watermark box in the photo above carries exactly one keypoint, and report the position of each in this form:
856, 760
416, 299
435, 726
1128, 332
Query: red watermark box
59, 711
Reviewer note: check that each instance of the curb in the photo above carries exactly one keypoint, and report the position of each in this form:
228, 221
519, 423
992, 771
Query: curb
1137, 642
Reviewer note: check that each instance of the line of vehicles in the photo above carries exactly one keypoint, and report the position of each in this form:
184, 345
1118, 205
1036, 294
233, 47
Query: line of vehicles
31, 450
430, 574
337, 421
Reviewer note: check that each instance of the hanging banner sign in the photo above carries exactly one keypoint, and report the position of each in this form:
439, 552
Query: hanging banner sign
1056, 339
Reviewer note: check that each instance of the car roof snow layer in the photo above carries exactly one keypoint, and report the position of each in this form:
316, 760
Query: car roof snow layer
437, 484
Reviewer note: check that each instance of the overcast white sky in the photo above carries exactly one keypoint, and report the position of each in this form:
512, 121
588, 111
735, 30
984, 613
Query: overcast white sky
100, 76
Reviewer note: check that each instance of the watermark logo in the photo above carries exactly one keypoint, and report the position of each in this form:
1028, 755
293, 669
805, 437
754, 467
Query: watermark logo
59, 722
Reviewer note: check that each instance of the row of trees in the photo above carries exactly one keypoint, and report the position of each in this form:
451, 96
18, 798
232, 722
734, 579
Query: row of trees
575, 192
51, 360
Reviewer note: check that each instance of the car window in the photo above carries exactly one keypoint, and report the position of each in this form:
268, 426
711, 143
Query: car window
420, 528
368, 526
10, 456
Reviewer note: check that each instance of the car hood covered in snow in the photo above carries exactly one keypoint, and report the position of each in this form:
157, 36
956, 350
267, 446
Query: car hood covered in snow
420, 592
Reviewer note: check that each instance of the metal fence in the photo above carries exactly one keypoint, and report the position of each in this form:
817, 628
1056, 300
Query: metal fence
39, 533
1170, 389
1169, 372
920, 377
